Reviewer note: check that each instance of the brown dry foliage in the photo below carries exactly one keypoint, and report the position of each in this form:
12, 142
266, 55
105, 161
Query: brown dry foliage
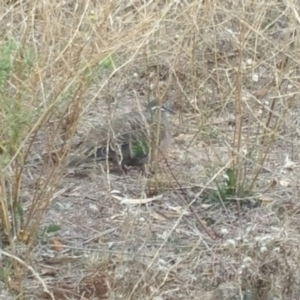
230, 70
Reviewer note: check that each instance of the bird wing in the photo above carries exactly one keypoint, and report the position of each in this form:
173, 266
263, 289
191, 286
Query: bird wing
115, 136
129, 136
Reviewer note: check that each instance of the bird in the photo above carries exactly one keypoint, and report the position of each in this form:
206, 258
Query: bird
130, 139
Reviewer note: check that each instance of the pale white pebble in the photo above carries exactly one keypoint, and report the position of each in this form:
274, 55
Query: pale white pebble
249, 61
263, 249
224, 231
231, 242
255, 77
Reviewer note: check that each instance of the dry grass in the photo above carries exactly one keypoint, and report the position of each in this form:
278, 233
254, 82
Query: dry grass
230, 70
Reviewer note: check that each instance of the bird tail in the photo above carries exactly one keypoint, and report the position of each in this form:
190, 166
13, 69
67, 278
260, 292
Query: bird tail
98, 154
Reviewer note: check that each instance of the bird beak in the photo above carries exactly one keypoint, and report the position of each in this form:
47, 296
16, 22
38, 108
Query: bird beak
169, 110
163, 108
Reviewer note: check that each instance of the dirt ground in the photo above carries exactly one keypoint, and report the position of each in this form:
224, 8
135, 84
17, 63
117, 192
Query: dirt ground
231, 75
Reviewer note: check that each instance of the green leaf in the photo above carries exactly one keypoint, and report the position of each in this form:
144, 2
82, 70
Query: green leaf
53, 228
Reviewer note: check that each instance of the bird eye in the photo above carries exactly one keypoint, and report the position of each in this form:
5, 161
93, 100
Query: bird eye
158, 107
162, 108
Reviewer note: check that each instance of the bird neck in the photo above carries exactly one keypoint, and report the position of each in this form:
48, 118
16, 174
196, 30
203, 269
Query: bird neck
156, 115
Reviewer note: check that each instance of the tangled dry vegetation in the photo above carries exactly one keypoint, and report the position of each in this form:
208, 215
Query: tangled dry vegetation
219, 218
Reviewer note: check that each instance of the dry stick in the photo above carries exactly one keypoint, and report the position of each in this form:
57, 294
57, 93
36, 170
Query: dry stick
155, 256
163, 244
34, 273
185, 201
281, 66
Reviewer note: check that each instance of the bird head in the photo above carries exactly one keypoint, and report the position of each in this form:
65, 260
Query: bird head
155, 106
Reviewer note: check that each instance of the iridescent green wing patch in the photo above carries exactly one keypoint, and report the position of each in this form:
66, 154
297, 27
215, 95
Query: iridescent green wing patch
140, 148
